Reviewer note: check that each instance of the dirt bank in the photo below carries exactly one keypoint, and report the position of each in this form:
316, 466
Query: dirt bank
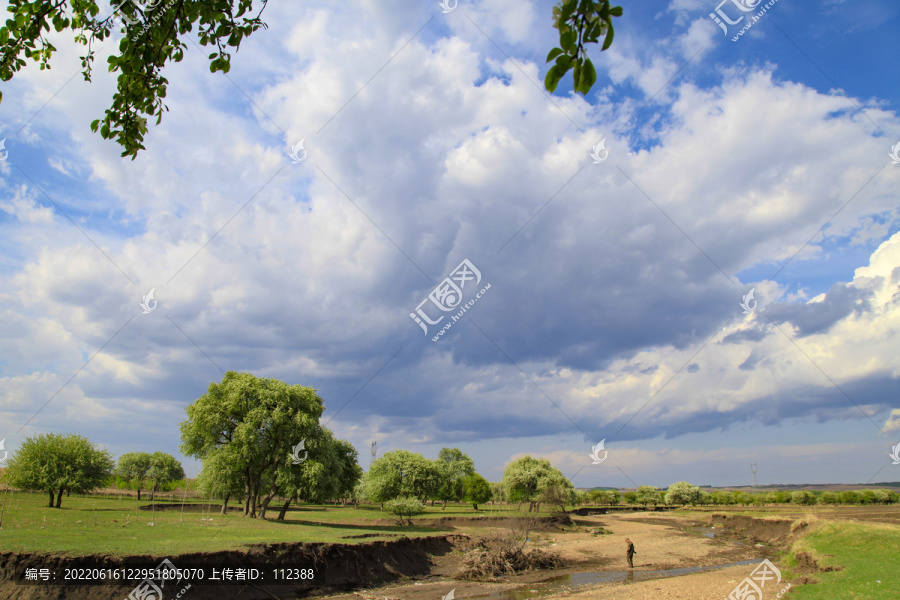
336, 567
769, 530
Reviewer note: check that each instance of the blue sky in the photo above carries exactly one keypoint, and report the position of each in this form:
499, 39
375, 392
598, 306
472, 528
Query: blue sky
615, 286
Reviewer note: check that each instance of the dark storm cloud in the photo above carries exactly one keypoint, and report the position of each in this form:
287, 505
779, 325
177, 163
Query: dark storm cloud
841, 301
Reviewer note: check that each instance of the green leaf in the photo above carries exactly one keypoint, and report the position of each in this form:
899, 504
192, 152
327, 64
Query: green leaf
567, 41
609, 37
588, 76
616, 11
551, 79
554, 53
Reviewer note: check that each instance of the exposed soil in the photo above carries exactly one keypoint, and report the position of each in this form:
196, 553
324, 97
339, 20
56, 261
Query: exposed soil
768, 530
661, 542
336, 567
423, 568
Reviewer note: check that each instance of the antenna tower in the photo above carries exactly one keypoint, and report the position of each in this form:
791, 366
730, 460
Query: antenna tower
753, 470
374, 452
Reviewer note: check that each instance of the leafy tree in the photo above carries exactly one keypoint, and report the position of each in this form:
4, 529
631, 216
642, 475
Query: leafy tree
723, 498
405, 508
259, 421
132, 467
401, 473
57, 463
867, 496
579, 22
526, 478
350, 471
330, 471
498, 492
885, 497
849, 497
705, 498
557, 494
739, 497
647, 494
155, 34
452, 467
630, 497
682, 493
803, 498
828, 498
221, 478
164, 469
782, 497
477, 490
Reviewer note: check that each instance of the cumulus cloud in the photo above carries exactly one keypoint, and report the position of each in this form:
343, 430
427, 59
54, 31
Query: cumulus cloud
614, 286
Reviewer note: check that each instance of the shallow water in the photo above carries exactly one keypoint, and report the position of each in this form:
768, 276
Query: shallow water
576, 581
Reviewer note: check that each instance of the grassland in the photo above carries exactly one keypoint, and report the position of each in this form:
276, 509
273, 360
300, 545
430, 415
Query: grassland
867, 553
117, 526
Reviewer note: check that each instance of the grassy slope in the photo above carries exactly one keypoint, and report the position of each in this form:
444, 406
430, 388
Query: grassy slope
95, 525
869, 553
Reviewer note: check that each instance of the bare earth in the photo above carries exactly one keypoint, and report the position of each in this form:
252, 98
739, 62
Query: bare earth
660, 544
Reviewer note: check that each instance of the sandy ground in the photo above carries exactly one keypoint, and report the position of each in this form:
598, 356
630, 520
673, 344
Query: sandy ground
660, 544
711, 585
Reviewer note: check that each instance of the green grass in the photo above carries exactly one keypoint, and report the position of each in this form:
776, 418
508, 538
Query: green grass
867, 551
95, 525
115, 526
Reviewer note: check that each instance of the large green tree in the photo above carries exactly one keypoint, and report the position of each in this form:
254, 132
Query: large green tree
222, 477
155, 33
526, 479
453, 466
400, 473
647, 494
329, 470
258, 422
132, 467
164, 469
476, 490
682, 493
57, 463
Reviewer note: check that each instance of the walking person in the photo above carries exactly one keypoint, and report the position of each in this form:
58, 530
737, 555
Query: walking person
630, 553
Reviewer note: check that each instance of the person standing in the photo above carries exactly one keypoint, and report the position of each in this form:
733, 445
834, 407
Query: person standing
630, 553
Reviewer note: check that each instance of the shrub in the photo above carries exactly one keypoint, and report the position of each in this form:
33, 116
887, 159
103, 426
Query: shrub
405, 508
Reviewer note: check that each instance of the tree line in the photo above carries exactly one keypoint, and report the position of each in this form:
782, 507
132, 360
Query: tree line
683, 494
260, 439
